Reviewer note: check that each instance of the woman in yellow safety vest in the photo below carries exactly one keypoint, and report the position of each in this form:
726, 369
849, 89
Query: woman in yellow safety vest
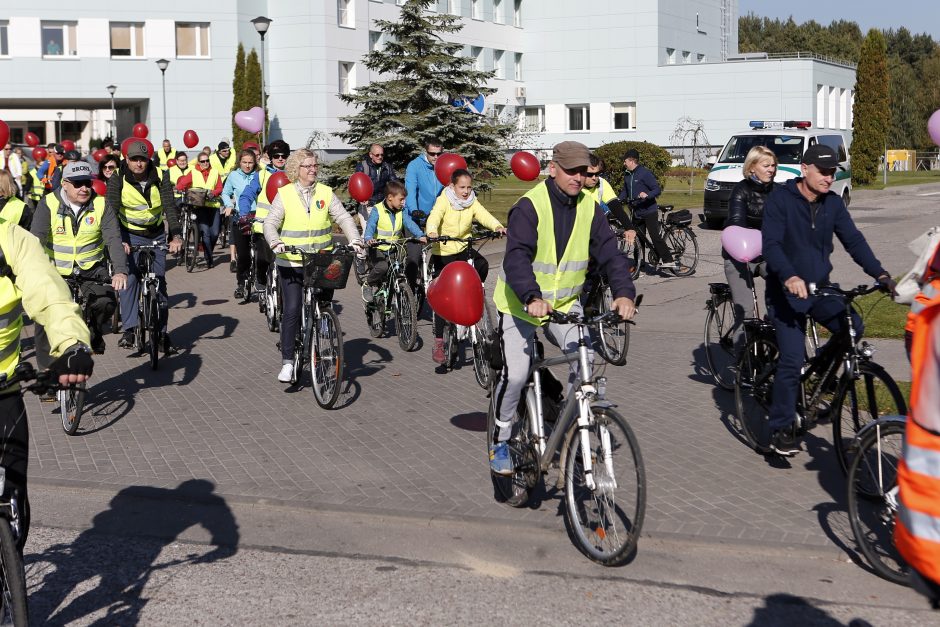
207, 215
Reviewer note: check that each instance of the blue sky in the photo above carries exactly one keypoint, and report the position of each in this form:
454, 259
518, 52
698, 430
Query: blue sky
919, 16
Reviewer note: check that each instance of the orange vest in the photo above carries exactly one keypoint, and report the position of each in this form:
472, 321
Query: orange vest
924, 296
917, 527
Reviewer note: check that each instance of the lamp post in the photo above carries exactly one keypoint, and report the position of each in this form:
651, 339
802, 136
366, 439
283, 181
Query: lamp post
261, 25
58, 128
111, 90
163, 64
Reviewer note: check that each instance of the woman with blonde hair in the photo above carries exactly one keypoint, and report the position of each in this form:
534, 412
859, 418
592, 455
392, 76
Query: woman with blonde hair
12, 209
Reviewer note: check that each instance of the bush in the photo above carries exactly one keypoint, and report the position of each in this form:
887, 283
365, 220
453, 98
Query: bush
654, 157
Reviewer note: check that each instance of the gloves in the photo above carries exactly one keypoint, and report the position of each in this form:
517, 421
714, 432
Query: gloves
76, 360
887, 283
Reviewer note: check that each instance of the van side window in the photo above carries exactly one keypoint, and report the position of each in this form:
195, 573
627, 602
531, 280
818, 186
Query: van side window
836, 143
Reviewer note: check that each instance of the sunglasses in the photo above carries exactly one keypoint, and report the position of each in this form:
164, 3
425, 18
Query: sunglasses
435, 154
203, 161
110, 167
279, 156
80, 184
592, 175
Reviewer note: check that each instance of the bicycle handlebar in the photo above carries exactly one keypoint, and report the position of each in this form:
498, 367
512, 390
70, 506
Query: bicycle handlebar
154, 246
336, 250
24, 371
833, 289
582, 320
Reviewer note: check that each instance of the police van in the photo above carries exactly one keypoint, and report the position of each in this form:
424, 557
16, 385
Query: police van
788, 140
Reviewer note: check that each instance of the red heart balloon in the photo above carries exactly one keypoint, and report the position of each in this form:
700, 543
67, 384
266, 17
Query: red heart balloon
190, 139
140, 130
446, 164
457, 294
39, 154
68, 144
4, 133
525, 166
99, 154
170, 163
277, 181
99, 186
360, 186
32, 140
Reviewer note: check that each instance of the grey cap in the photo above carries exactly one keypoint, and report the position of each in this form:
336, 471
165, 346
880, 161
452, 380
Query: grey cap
77, 171
137, 148
570, 155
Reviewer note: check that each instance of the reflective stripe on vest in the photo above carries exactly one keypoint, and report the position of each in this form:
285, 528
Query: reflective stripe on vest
84, 248
310, 230
262, 206
384, 229
11, 316
209, 183
560, 281
135, 214
12, 211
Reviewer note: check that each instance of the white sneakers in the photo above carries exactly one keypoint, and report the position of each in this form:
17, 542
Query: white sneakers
286, 373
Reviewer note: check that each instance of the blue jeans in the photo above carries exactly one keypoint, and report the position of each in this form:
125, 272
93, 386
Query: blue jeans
130, 295
209, 222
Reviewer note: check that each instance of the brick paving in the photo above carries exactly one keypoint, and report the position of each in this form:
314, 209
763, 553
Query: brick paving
409, 440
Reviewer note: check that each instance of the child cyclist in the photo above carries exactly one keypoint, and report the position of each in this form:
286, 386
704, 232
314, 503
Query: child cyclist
453, 215
387, 221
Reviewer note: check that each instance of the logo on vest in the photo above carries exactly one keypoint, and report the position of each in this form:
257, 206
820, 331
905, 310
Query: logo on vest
321, 204
60, 230
89, 220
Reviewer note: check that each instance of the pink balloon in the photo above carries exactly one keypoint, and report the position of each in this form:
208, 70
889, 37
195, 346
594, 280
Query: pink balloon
457, 294
741, 243
251, 120
933, 127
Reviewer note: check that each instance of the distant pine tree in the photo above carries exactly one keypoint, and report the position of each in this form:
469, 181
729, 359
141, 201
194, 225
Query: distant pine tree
871, 111
252, 93
238, 95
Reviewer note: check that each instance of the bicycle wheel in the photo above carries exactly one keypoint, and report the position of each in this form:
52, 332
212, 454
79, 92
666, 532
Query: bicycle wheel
873, 499
326, 358
719, 342
684, 247
224, 229
153, 327
605, 521
485, 337
272, 308
636, 258
13, 580
613, 340
192, 247
406, 324
375, 316
71, 406
450, 346
860, 401
301, 346
516, 490
140, 332
752, 391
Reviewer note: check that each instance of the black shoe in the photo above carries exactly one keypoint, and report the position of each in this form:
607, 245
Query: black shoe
209, 264
239, 293
783, 443
48, 397
97, 344
231, 266
127, 339
168, 348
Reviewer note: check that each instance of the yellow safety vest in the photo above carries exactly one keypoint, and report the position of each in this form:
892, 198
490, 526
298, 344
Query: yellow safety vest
176, 172
164, 157
208, 183
385, 229
561, 281
13, 210
67, 249
222, 168
11, 316
311, 230
602, 193
136, 214
38, 189
262, 206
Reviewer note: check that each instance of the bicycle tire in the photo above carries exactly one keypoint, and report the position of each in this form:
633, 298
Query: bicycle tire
272, 310
224, 229
752, 391
375, 316
719, 342
192, 248
516, 490
872, 500
684, 246
326, 358
613, 340
848, 414
301, 347
13, 575
450, 346
605, 523
71, 406
406, 322
637, 258
153, 327
485, 337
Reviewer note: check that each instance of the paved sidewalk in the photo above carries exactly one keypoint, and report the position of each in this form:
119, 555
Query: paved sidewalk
410, 441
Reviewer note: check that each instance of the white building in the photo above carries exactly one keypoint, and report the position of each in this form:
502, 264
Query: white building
604, 71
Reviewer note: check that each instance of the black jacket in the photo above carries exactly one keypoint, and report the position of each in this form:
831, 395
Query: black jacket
641, 180
746, 205
379, 175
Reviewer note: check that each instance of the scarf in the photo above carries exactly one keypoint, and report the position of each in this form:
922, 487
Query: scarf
457, 203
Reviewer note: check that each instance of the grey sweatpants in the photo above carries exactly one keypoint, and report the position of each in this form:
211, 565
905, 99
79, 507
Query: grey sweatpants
515, 341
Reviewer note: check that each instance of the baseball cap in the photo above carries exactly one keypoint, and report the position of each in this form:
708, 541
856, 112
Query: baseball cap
570, 155
821, 156
73, 155
59, 148
137, 149
631, 154
223, 146
77, 171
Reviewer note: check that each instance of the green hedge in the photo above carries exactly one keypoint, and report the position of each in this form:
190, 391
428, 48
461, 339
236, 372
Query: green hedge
654, 157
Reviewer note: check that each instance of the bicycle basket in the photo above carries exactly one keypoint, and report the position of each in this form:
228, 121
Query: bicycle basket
682, 217
327, 270
195, 197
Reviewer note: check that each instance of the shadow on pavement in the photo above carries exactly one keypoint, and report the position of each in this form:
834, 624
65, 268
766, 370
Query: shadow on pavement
355, 352
785, 609
122, 549
474, 421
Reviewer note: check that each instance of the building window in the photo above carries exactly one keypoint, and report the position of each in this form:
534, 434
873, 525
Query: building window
375, 40
346, 13
499, 14
517, 13
476, 9
453, 7
579, 117
701, 58
534, 119
822, 92
58, 39
498, 63
670, 56
127, 40
624, 116
686, 56
192, 39
4, 38
347, 77
477, 54
517, 70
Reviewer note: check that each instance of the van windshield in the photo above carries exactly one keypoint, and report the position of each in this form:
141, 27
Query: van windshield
788, 148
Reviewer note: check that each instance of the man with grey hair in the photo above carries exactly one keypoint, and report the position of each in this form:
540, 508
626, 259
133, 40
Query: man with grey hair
380, 173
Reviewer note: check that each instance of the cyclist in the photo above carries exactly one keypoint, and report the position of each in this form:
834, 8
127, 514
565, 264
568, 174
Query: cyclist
302, 215
380, 172
142, 202
799, 222
181, 168
640, 190
207, 216
453, 215
554, 230
603, 193
236, 182
254, 199
29, 284
384, 223
75, 227
12, 209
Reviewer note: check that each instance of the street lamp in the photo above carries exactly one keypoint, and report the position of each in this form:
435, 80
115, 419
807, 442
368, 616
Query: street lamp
163, 64
261, 25
111, 90
58, 128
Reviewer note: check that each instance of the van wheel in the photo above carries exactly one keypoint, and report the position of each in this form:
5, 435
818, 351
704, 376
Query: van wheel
846, 197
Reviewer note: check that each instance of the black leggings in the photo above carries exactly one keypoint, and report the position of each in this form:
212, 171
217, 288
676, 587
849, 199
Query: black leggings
292, 289
651, 222
480, 264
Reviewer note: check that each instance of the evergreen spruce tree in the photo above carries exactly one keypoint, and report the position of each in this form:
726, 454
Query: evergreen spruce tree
871, 112
238, 94
421, 72
252, 92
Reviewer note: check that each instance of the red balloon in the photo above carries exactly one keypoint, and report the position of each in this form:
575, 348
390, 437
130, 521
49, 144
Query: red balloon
68, 144
127, 142
99, 186
277, 181
140, 130
251, 144
360, 187
4, 133
457, 294
99, 154
525, 166
446, 164
190, 139
170, 163
39, 154
32, 140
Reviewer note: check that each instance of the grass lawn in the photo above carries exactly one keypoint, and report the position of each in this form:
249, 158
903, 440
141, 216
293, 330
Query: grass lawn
882, 316
895, 179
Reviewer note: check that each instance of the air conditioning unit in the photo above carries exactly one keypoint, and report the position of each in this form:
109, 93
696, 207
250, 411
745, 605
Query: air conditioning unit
520, 92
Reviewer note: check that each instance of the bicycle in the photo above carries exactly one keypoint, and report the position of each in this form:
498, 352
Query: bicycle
394, 298
612, 341
602, 471
149, 304
840, 382
273, 305
190, 234
247, 284
319, 340
873, 495
679, 238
